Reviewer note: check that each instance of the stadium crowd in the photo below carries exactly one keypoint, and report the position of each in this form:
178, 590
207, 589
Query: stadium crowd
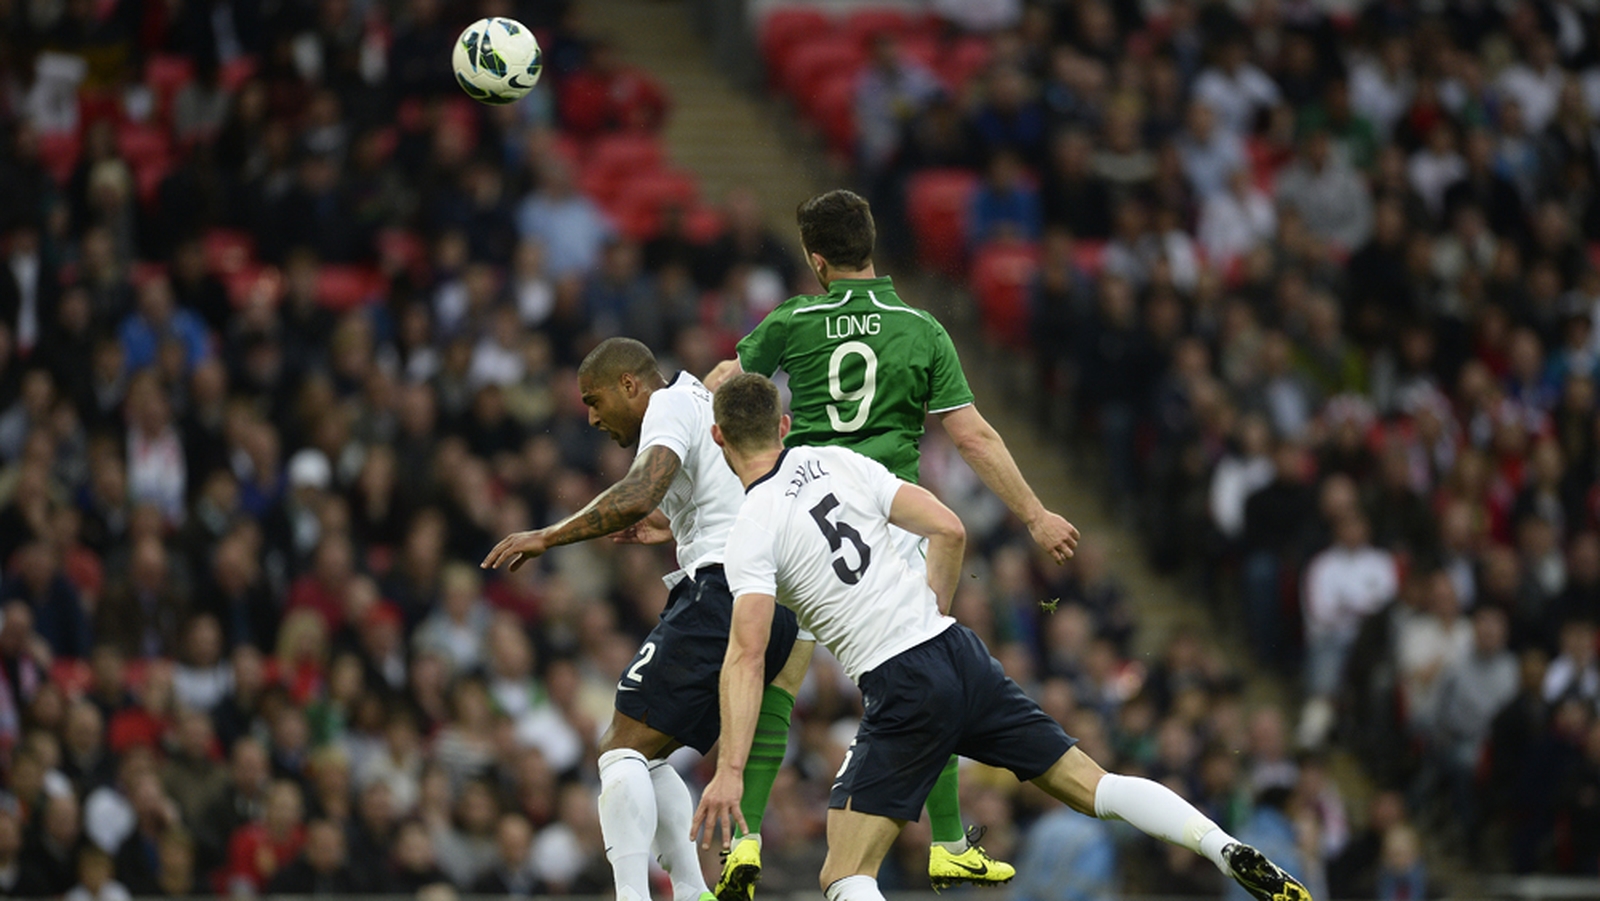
287, 337
1319, 287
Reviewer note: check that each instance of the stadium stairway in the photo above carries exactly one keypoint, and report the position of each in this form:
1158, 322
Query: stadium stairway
724, 135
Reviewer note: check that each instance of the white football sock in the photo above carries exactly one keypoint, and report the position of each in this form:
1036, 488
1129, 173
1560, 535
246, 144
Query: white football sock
854, 888
1156, 810
673, 845
628, 820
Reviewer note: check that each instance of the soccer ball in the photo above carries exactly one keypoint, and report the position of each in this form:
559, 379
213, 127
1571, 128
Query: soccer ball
497, 60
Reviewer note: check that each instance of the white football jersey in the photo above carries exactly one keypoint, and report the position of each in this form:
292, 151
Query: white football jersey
705, 495
814, 533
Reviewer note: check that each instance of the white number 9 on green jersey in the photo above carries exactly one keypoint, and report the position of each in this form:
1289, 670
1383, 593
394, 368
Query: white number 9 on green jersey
862, 395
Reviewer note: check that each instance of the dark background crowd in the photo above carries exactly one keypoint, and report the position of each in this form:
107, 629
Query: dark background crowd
287, 337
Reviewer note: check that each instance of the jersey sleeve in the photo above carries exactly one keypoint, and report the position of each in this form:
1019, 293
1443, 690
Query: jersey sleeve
668, 422
750, 561
949, 389
875, 481
761, 351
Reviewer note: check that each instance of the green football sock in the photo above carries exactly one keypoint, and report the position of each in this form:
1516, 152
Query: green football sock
766, 754
944, 805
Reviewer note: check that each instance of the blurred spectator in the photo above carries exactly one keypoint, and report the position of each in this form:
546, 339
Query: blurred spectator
567, 224
889, 94
1327, 194
1234, 88
607, 95
1006, 205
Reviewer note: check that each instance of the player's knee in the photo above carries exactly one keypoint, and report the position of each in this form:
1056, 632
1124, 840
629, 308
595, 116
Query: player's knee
793, 673
1073, 780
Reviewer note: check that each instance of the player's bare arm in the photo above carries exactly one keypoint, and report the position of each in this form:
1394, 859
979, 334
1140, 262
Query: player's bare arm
741, 688
720, 373
986, 452
630, 500
916, 510
653, 529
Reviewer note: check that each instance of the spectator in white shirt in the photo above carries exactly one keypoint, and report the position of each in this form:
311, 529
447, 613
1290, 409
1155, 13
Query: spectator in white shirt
497, 357
1210, 155
1429, 643
456, 629
1236, 221
1381, 88
1240, 474
1535, 83
1473, 691
890, 92
1235, 89
1344, 584
1575, 671
1434, 168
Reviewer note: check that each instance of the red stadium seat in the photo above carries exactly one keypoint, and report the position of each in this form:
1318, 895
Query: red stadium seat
142, 272
703, 224
166, 75
639, 200
625, 153
1002, 279
142, 143
865, 24
815, 60
341, 287
252, 282
786, 28
923, 48
148, 174
833, 108
403, 251
964, 61
236, 72
228, 251
1089, 256
59, 151
937, 201
71, 675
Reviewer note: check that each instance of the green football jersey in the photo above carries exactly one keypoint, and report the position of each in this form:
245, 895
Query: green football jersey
865, 370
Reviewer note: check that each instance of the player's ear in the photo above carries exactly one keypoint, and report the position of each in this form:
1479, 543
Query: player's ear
818, 264
716, 435
783, 427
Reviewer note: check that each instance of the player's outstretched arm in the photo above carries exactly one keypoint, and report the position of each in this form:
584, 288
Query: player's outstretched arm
985, 451
916, 510
720, 373
741, 686
653, 529
631, 499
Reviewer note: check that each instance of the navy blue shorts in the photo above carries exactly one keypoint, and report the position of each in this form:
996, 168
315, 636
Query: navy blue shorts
944, 696
672, 683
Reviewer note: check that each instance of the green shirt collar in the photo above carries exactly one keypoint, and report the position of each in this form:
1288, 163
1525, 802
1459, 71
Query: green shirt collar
840, 285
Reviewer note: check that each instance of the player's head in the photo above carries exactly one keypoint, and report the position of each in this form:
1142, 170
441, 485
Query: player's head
837, 232
616, 379
749, 417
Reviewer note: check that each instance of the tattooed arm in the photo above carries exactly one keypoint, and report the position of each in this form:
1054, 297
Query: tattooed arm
623, 504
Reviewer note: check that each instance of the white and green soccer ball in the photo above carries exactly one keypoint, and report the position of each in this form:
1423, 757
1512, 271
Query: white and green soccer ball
497, 60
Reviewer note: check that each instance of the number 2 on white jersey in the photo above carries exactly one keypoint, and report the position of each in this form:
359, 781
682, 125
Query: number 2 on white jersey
861, 396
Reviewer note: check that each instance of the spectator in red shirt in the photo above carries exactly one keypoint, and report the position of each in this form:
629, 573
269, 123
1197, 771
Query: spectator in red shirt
611, 96
257, 850
323, 589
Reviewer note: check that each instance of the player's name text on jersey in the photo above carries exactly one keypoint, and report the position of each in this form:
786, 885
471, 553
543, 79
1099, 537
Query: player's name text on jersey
850, 325
803, 474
